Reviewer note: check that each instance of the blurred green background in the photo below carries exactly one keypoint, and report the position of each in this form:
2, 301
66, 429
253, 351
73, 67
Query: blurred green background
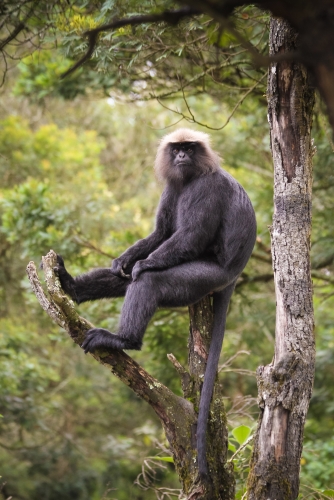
76, 159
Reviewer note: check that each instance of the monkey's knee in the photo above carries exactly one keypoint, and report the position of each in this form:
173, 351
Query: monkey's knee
146, 287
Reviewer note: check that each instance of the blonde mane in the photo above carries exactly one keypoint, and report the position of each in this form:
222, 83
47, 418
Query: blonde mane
208, 161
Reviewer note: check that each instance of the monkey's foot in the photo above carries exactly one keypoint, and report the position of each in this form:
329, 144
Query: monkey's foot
99, 338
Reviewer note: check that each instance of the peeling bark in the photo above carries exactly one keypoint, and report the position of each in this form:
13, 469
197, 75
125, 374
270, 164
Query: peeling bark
314, 22
285, 386
178, 415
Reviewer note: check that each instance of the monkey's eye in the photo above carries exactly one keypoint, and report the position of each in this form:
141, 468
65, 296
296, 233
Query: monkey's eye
175, 151
189, 151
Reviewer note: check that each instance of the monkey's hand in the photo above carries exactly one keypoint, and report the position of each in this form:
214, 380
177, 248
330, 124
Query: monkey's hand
139, 267
118, 268
66, 280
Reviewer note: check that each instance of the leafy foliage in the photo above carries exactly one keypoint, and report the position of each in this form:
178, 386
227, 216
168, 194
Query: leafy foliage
194, 57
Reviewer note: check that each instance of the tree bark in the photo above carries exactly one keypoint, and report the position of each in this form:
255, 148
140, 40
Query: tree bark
285, 385
314, 22
221, 484
178, 415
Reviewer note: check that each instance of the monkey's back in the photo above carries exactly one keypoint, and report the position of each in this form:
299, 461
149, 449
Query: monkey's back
231, 223
237, 232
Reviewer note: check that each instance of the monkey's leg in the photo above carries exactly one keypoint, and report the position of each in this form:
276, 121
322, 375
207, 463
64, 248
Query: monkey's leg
97, 284
188, 283
139, 306
178, 286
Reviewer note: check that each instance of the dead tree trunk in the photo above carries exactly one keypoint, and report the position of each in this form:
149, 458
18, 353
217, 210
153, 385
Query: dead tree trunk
285, 386
178, 415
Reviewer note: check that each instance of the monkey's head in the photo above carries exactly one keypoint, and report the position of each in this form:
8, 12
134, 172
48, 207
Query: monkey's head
184, 155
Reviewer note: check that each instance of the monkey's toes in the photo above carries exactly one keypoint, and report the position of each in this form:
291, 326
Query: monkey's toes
97, 338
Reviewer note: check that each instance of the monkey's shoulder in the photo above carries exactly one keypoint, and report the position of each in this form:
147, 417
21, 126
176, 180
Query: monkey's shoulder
219, 187
218, 183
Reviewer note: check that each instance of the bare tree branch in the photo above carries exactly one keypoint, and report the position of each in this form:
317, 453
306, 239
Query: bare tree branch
177, 414
192, 118
20, 27
61, 310
245, 278
88, 244
12, 35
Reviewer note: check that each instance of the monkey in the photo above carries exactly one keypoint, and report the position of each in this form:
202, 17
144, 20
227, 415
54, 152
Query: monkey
204, 235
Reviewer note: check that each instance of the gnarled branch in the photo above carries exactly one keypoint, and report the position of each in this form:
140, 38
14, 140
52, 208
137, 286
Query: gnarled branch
61, 310
177, 414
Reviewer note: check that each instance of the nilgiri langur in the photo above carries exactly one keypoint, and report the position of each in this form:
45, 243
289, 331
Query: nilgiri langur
204, 235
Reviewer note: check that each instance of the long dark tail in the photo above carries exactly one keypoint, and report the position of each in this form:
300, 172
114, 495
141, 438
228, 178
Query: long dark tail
220, 305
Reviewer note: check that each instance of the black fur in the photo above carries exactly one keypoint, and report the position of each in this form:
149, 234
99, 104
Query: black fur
205, 232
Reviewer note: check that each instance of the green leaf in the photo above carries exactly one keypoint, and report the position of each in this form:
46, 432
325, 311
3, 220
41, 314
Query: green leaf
329, 493
163, 459
231, 447
241, 433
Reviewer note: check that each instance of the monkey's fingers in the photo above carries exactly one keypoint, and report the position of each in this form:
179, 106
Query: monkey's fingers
88, 344
127, 276
136, 271
99, 338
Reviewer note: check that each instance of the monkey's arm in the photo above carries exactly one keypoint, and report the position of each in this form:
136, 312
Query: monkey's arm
195, 234
142, 248
177, 249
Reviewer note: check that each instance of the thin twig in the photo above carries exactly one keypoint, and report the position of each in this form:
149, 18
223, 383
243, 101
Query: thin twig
192, 119
87, 244
243, 446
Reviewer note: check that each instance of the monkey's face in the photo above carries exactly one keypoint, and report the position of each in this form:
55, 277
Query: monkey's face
183, 160
183, 156
182, 153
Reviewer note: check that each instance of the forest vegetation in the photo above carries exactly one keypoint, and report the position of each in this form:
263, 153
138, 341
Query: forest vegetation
76, 170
